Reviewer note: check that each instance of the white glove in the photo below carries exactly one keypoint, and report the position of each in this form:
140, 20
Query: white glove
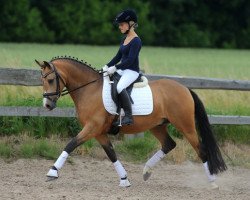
105, 68
111, 70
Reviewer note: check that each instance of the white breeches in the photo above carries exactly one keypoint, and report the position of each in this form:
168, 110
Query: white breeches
127, 77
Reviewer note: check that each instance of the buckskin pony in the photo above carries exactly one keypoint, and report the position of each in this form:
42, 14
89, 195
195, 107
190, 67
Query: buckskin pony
172, 103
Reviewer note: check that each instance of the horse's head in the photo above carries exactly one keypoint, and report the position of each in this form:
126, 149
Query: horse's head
52, 83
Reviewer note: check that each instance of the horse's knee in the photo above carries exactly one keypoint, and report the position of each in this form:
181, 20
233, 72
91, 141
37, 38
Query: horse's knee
168, 145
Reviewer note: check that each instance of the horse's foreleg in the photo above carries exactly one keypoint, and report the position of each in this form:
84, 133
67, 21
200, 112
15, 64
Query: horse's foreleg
75, 142
108, 148
160, 132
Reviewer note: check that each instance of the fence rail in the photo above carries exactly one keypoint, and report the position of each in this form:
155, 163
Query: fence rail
70, 112
27, 77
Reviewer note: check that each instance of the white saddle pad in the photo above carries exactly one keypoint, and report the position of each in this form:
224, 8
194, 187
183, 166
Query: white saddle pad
142, 97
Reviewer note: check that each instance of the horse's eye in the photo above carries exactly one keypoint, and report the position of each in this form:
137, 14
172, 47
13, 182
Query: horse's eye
50, 81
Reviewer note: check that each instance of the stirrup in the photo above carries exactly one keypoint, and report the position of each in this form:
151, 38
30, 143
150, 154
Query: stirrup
120, 121
128, 121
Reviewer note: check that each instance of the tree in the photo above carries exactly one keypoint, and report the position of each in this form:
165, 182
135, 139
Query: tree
19, 23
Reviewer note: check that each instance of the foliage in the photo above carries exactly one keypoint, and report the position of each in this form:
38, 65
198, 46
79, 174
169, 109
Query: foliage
81, 21
191, 23
202, 23
22, 22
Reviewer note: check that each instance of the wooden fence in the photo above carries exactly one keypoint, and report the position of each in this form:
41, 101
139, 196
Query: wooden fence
27, 77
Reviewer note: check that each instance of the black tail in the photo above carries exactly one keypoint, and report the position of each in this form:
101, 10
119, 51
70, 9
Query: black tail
213, 155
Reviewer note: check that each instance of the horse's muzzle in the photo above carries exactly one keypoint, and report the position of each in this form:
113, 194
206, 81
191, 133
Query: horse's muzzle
47, 103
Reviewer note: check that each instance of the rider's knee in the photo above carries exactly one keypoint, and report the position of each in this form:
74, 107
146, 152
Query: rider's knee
119, 88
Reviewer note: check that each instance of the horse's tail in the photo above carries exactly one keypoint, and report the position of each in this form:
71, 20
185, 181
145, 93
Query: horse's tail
213, 155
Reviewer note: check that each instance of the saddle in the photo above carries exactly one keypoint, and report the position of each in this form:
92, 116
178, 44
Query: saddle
140, 93
114, 94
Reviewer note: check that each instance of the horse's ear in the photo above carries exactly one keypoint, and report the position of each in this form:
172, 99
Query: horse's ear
40, 63
43, 64
46, 64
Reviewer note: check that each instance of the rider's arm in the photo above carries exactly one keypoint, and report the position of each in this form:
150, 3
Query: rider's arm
116, 59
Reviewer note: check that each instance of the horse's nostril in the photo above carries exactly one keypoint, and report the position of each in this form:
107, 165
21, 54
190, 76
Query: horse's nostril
48, 106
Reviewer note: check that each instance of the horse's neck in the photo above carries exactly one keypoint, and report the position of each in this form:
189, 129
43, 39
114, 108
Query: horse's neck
76, 78
86, 95
79, 77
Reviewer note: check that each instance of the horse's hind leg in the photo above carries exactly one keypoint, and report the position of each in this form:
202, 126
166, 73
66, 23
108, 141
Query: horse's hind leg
167, 143
108, 148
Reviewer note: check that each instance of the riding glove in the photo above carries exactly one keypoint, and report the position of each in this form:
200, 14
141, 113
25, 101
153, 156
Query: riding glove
111, 70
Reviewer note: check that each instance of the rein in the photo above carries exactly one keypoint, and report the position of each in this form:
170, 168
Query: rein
64, 91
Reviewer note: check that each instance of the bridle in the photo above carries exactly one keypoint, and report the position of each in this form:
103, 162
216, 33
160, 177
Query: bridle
65, 91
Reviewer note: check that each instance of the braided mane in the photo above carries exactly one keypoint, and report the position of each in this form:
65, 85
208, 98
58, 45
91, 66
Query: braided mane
74, 59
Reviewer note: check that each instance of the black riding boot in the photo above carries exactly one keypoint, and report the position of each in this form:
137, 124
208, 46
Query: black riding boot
126, 105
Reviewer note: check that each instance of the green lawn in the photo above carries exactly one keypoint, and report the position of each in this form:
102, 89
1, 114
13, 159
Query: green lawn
233, 64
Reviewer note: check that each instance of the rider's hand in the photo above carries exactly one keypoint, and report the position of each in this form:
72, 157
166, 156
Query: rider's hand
111, 70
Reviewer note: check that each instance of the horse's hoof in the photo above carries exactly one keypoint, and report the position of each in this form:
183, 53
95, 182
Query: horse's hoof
146, 176
124, 183
52, 175
214, 186
146, 173
51, 178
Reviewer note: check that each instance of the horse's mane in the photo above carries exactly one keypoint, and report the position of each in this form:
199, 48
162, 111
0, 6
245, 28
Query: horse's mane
74, 59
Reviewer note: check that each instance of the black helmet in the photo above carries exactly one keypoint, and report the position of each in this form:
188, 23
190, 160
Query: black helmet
126, 16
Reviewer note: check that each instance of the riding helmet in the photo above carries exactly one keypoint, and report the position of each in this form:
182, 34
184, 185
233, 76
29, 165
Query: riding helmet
126, 16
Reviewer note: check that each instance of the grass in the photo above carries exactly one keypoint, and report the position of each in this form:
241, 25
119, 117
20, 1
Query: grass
138, 150
39, 126
25, 146
217, 63
5, 150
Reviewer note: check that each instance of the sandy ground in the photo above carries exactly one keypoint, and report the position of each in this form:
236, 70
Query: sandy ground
89, 178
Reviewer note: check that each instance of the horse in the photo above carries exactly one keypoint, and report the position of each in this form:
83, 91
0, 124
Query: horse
172, 103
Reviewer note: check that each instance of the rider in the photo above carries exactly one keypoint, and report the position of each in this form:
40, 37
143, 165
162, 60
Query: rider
128, 59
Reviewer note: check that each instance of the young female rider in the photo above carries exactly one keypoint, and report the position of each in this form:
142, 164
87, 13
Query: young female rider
128, 56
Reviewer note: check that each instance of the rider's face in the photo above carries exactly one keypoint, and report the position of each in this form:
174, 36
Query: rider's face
123, 27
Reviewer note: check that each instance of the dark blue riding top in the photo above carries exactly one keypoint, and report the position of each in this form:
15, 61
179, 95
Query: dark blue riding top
128, 55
